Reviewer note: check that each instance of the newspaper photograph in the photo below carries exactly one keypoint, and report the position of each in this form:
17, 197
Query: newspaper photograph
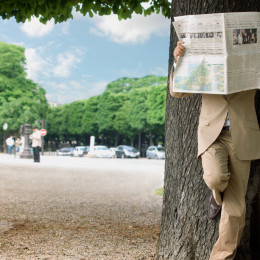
222, 53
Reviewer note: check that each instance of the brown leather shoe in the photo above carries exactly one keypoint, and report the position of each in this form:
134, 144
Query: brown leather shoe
214, 208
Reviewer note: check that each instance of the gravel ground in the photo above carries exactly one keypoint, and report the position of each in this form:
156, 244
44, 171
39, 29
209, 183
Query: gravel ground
79, 208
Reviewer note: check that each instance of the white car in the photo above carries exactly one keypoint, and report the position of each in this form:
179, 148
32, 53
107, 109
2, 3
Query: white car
102, 151
155, 152
80, 151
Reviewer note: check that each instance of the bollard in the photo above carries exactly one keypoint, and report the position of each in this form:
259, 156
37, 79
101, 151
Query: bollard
26, 154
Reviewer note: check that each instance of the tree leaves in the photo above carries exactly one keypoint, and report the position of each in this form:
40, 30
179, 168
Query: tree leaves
21, 100
61, 10
127, 106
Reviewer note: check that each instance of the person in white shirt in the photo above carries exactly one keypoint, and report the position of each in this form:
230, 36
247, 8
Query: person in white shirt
36, 143
10, 144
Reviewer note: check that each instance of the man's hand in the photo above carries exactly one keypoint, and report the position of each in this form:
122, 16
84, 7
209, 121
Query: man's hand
179, 50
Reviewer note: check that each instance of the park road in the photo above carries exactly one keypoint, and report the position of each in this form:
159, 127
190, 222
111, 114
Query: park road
79, 208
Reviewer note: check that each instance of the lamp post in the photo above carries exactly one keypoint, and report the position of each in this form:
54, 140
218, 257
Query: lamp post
5, 127
26, 154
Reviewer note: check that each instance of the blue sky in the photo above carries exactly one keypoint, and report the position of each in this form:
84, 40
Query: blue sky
76, 59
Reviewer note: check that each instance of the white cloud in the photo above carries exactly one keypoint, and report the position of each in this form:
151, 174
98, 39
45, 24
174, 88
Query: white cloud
65, 26
140, 71
36, 29
76, 85
40, 65
86, 76
66, 62
160, 71
97, 88
35, 63
18, 43
58, 92
61, 86
133, 73
136, 30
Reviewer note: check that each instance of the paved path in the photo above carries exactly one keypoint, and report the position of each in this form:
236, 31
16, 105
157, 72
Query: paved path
79, 208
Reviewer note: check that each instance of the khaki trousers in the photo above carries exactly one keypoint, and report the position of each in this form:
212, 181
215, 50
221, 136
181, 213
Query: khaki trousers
224, 173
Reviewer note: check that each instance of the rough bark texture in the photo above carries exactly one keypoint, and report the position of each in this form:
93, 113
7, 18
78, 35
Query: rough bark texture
186, 231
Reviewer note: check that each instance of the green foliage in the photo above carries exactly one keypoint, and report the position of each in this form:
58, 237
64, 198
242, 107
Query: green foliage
125, 108
89, 122
156, 103
12, 61
61, 10
75, 113
53, 122
128, 105
122, 121
127, 84
109, 103
21, 100
137, 112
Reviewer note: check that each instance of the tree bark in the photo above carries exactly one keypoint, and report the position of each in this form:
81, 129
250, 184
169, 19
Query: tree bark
186, 232
132, 140
140, 142
116, 138
150, 138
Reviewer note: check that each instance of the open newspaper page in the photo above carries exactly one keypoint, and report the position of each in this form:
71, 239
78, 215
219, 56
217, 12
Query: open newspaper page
203, 68
222, 53
243, 50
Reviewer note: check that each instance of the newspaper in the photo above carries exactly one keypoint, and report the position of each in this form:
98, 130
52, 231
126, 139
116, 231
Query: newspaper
222, 53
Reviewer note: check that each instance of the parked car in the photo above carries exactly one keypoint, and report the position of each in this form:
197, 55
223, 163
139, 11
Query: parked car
102, 151
155, 152
66, 151
125, 151
80, 151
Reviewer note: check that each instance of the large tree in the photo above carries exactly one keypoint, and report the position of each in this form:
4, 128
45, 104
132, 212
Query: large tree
186, 231
21, 100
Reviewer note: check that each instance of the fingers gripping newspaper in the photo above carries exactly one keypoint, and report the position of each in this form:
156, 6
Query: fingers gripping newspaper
222, 53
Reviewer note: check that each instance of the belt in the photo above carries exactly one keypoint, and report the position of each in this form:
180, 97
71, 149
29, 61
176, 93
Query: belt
226, 128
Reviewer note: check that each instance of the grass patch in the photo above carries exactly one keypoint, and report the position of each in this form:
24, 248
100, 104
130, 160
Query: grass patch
159, 191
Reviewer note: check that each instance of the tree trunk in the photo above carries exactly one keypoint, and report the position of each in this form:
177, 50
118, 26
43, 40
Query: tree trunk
87, 141
116, 138
186, 231
140, 142
132, 140
151, 138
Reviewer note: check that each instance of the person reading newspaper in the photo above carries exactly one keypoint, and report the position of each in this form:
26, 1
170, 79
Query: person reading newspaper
228, 139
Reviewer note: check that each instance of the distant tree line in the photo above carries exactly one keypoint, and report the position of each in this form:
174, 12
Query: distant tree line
130, 111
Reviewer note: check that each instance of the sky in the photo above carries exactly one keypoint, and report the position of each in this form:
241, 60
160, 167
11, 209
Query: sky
76, 59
